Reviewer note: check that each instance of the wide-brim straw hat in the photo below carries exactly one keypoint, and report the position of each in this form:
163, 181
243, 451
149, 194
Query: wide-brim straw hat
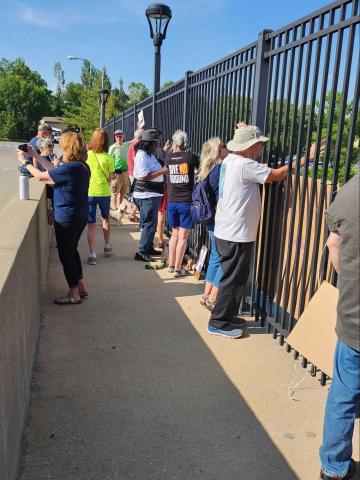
245, 137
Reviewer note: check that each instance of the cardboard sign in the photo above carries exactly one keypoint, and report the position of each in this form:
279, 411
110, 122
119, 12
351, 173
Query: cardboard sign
314, 334
141, 120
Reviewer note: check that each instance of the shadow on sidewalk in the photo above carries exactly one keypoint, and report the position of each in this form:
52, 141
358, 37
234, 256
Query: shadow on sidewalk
124, 387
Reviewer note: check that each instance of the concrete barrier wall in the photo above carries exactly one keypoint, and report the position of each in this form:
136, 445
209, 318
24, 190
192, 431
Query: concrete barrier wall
24, 252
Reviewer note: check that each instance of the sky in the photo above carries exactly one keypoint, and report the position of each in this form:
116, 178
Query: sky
117, 37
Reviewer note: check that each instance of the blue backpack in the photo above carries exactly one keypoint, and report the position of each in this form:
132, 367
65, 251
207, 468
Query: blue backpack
201, 209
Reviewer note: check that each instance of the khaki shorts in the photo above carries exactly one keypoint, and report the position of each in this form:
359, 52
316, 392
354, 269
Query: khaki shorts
120, 183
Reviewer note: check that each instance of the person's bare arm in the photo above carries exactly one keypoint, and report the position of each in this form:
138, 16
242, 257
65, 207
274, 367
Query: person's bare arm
40, 159
277, 174
41, 176
153, 175
333, 244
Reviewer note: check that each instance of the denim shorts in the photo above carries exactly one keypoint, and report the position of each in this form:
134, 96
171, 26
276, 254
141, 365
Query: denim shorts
179, 215
104, 205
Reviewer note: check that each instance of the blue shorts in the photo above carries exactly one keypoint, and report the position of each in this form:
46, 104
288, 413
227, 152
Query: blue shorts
104, 205
179, 215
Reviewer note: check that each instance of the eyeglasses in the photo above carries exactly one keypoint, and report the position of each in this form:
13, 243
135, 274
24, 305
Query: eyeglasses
50, 146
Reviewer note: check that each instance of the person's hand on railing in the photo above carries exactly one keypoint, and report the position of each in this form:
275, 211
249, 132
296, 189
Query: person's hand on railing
240, 125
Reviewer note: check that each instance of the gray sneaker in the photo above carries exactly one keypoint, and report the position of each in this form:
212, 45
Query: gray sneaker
181, 273
107, 251
91, 261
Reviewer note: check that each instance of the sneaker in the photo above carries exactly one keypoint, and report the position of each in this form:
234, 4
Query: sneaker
141, 257
171, 269
91, 261
238, 322
233, 333
350, 473
181, 273
108, 251
153, 251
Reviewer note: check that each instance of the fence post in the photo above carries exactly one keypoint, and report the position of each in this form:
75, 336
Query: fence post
258, 119
122, 121
113, 126
185, 124
261, 80
135, 119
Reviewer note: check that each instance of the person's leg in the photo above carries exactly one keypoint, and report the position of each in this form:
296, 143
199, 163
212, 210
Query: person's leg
183, 235
77, 259
91, 232
123, 187
147, 222
235, 264
342, 404
174, 223
114, 192
186, 223
172, 246
66, 238
212, 279
161, 227
104, 204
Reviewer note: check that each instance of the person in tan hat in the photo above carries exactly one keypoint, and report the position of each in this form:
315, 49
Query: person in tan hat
237, 220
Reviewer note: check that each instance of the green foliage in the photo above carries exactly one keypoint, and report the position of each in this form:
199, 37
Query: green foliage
167, 84
137, 92
24, 99
60, 83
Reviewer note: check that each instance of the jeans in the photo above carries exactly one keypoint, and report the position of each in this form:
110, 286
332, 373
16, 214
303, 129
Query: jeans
342, 404
213, 273
235, 261
149, 208
67, 239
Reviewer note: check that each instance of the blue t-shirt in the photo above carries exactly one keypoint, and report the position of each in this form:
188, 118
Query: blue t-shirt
71, 191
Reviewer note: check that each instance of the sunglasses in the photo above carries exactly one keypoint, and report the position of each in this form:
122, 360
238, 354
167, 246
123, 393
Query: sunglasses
50, 146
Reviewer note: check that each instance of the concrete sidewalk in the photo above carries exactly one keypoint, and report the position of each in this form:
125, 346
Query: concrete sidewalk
129, 386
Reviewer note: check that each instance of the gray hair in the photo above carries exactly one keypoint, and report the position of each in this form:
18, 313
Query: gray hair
180, 138
44, 142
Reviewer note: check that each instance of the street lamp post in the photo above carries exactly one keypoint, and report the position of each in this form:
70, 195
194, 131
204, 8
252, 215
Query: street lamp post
158, 16
103, 92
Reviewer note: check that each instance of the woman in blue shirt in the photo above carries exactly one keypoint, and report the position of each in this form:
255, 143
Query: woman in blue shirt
71, 183
212, 154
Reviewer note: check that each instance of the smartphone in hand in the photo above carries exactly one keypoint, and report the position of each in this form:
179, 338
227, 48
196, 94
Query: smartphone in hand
23, 147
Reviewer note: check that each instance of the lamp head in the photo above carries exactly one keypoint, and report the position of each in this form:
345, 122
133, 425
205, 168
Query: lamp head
104, 94
158, 16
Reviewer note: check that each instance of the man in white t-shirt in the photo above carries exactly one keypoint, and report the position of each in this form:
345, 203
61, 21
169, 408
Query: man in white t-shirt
236, 223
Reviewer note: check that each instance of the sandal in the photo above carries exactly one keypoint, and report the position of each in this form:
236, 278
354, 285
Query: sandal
204, 299
134, 218
161, 245
209, 305
84, 294
66, 300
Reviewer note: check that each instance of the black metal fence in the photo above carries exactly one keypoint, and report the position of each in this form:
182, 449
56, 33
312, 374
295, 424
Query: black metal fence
299, 84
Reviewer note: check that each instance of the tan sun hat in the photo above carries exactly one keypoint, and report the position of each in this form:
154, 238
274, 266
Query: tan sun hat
244, 138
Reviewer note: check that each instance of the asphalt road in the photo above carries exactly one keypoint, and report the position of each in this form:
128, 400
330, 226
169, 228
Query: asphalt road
9, 178
9, 175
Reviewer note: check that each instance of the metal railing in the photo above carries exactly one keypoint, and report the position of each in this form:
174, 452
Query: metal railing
299, 84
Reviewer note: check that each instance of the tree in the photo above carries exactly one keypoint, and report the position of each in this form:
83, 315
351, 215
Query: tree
137, 92
60, 83
24, 99
167, 84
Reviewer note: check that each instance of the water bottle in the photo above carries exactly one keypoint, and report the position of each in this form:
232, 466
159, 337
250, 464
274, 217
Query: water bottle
24, 187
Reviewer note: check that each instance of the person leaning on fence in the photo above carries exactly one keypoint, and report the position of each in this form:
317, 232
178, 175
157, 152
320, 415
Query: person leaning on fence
180, 184
71, 183
120, 180
102, 167
344, 396
44, 132
148, 192
130, 160
212, 154
237, 221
